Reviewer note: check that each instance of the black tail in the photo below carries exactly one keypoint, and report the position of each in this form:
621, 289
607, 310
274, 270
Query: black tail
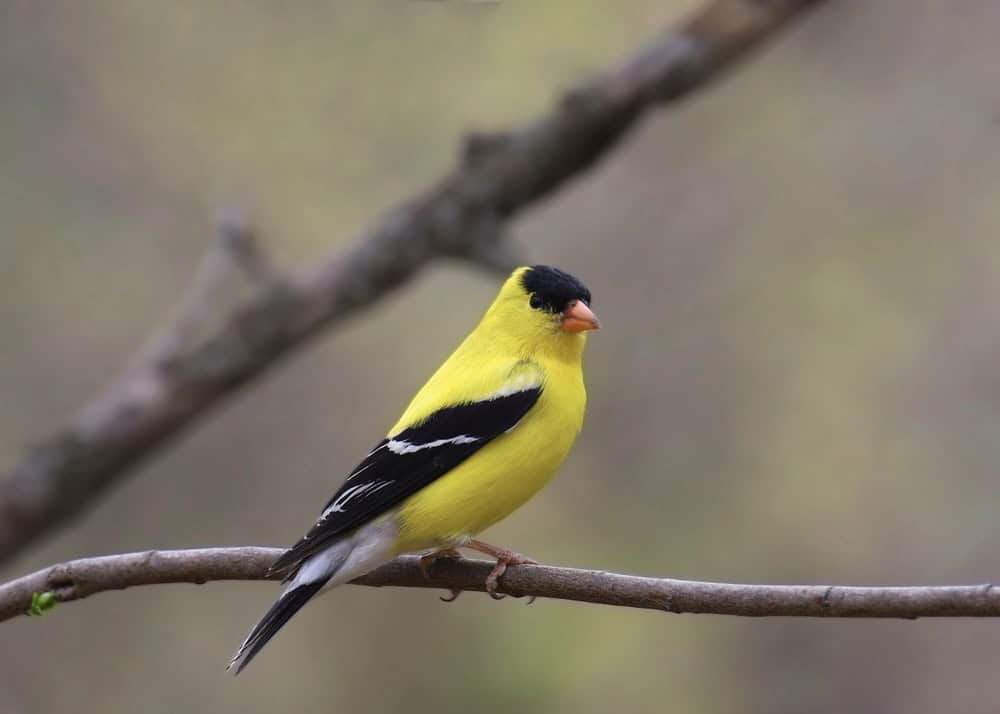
290, 602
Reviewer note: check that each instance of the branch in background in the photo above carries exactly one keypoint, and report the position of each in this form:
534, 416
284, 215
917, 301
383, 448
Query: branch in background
78, 579
235, 248
241, 243
463, 215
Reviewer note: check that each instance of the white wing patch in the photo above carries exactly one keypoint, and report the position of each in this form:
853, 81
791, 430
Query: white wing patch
405, 447
520, 379
349, 494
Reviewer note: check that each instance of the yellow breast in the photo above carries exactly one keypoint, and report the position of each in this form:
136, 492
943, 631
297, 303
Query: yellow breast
505, 473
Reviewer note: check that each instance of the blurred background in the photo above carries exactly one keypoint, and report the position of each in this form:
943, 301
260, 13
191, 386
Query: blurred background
797, 271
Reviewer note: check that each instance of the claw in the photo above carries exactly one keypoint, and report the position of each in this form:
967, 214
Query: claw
504, 558
427, 561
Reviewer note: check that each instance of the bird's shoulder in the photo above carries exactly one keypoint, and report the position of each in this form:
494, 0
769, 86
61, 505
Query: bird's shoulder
471, 381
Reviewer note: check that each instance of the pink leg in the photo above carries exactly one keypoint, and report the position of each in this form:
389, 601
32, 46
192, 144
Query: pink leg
504, 558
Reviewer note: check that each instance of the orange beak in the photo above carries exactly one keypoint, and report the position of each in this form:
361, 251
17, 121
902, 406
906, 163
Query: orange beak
577, 317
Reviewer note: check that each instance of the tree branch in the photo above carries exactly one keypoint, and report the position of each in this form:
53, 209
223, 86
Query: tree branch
78, 579
234, 249
463, 215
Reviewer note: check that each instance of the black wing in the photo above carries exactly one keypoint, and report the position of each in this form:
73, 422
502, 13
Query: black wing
406, 462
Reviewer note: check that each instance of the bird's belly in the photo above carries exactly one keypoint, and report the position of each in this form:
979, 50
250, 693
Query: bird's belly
491, 484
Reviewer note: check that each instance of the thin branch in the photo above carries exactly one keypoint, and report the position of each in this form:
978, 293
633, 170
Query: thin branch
235, 247
463, 215
78, 579
240, 242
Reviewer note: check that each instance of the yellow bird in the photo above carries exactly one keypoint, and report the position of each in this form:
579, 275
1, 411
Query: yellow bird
486, 432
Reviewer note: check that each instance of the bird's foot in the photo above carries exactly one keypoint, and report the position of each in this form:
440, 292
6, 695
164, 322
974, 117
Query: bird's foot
427, 561
504, 558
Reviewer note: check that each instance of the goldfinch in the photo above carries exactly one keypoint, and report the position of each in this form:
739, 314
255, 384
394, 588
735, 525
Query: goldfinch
483, 435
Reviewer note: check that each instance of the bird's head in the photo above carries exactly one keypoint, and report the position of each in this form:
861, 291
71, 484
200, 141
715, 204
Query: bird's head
544, 309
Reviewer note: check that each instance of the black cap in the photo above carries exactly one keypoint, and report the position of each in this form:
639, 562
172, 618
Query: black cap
553, 289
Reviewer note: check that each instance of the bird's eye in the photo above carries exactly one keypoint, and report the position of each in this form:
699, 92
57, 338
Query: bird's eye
535, 302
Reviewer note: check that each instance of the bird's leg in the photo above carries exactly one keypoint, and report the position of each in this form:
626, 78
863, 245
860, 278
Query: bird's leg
504, 558
426, 561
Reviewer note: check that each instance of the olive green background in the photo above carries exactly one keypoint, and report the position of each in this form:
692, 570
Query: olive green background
797, 381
